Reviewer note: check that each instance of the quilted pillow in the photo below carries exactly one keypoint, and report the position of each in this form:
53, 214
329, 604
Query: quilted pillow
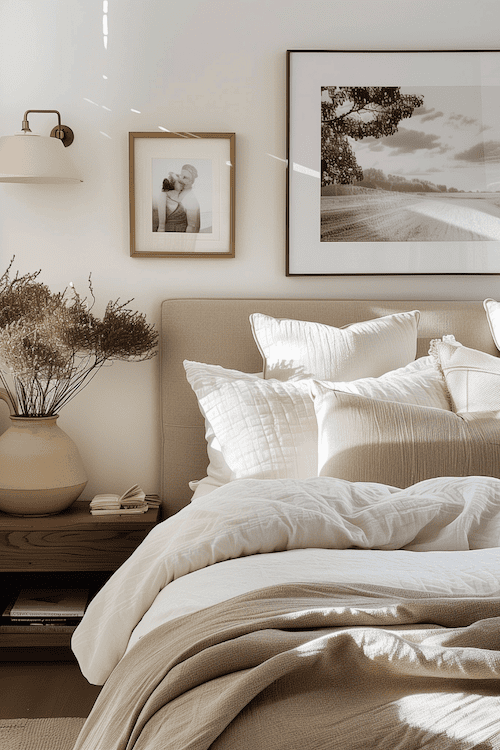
218, 472
368, 440
297, 349
267, 429
472, 377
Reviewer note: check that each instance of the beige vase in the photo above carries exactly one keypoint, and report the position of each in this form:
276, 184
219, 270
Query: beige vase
41, 472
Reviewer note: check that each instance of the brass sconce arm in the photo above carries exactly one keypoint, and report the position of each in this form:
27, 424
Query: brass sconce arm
62, 132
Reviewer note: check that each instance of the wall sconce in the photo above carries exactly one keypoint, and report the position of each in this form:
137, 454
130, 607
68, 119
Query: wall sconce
28, 157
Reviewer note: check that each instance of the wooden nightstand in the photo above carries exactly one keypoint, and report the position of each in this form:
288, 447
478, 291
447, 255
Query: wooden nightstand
72, 549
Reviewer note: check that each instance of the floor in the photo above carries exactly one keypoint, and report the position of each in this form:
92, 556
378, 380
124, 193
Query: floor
39, 690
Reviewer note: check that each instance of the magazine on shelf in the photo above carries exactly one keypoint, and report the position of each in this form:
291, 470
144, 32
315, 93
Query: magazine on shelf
43, 604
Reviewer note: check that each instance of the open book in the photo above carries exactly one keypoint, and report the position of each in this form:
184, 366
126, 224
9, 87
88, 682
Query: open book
134, 500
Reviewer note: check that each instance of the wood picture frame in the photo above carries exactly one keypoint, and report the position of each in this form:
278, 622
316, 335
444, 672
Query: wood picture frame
182, 194
393, 180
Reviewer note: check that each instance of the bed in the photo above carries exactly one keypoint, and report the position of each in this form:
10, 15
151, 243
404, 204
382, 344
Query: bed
328, 571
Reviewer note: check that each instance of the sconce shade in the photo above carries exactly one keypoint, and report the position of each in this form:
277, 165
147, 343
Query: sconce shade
27, 157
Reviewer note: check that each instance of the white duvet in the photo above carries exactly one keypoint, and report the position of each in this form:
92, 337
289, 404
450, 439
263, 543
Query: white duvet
441, 535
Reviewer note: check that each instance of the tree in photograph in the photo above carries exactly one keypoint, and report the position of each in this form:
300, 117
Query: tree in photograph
357, 113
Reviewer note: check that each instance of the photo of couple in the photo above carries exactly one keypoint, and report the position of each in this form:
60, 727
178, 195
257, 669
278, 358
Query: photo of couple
181, 192
182, 198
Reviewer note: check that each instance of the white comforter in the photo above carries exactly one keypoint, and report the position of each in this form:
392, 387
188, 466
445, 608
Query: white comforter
441, 535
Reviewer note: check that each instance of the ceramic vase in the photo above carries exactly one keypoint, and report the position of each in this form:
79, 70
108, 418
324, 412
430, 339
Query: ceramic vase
41, 471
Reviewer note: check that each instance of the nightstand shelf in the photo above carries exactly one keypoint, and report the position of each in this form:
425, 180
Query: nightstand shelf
70, 550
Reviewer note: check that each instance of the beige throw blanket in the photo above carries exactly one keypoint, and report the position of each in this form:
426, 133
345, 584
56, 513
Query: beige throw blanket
312, 667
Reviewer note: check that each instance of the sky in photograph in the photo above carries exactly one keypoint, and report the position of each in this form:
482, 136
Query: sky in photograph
453, 139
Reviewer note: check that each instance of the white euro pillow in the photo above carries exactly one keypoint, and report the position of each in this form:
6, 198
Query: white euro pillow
472, 377
297, 349
492, 308
263, 429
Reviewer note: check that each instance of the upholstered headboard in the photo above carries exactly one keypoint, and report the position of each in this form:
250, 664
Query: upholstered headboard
217, 331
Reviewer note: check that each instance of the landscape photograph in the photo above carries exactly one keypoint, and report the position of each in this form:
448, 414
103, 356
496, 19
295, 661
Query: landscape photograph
410, 164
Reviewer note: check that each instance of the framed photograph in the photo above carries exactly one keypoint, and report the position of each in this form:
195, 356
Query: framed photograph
393, 163
182, 194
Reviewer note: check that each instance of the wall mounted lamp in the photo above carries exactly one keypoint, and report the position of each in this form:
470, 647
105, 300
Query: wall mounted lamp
29, 157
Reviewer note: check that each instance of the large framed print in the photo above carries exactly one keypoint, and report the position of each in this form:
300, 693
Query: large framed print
393, 163
182, 194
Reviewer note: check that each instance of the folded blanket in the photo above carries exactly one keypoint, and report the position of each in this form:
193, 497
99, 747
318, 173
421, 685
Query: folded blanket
310, 666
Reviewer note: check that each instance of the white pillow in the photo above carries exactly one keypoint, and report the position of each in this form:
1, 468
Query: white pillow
297, 349
267, 429
369, 440
472, 377
218, 472
421, 382
492, 308
204, 486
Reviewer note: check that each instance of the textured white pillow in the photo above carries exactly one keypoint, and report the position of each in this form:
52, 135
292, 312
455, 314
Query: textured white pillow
267, 429
218, 472
421, 382
297, 349
369, 440
472, 377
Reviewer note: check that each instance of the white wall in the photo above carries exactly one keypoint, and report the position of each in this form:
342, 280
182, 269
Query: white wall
202, 65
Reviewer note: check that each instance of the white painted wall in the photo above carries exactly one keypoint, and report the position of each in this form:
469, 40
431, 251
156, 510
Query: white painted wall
199, 65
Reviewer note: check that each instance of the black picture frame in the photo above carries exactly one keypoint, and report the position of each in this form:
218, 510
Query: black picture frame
443, 216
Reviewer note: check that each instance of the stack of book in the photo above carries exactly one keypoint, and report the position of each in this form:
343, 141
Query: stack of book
59, 610
134, 500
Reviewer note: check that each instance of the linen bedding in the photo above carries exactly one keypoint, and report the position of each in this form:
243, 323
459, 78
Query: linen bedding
335, 580
376, 601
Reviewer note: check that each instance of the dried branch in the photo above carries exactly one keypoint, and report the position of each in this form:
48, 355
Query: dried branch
52, 345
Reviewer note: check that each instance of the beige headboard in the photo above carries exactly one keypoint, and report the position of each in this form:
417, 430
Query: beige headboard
217, 331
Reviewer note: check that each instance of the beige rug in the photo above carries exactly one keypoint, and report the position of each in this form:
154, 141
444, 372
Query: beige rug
39, 734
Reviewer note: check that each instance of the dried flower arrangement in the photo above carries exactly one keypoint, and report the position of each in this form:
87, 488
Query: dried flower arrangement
52, 345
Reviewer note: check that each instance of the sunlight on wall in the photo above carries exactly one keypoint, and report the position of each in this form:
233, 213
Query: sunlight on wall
105, 23
278, 158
